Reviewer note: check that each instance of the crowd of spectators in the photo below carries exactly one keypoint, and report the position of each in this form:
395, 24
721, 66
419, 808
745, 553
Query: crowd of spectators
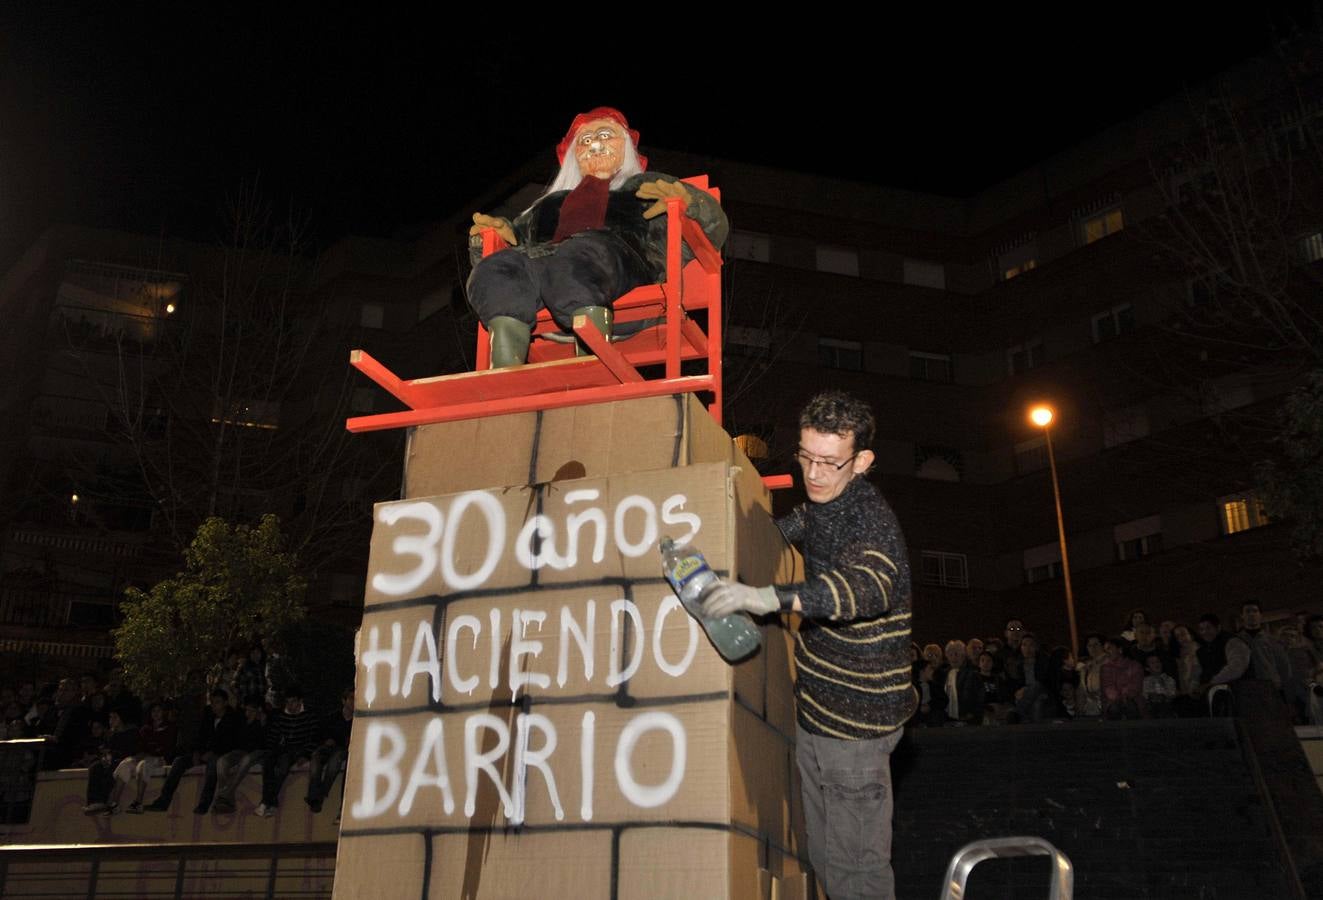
126, 745
1146, 670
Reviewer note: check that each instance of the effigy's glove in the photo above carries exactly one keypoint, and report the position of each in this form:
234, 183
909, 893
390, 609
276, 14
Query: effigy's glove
732, 597
660, 191
501, 225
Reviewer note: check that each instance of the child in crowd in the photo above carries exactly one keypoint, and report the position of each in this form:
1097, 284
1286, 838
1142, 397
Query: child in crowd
1159, 687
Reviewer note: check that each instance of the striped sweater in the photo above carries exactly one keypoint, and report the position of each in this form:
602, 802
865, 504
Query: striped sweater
852, 659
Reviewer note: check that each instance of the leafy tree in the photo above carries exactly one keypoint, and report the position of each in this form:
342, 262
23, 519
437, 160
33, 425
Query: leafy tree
1293, 482
239, 584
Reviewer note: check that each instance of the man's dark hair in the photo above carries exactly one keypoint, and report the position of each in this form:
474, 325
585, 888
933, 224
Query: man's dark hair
836, 412
1209, 617
292, 692
220, 692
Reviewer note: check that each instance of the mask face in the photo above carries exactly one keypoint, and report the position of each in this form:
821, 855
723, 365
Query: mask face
599, 148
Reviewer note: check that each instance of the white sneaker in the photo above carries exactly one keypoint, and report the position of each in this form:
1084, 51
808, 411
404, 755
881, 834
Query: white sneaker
264, 811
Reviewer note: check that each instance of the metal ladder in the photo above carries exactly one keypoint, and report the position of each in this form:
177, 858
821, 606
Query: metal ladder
970, 855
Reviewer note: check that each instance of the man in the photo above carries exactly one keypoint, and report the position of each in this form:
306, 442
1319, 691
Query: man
1009, 657
291, 735
329, 757
249, 749
218, 735
852, 687
1269, 660
964, 694
596, 233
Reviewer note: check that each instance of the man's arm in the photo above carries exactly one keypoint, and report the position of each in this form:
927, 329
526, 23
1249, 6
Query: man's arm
862, 585
1238, 662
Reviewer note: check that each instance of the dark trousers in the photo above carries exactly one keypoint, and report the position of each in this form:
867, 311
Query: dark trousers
100, 781
178, 768
590, 269
275, 769
323, 769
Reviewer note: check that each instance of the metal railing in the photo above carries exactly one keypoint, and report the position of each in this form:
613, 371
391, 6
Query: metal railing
179, 871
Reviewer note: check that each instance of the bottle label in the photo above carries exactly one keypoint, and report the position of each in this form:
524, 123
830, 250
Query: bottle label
687, 567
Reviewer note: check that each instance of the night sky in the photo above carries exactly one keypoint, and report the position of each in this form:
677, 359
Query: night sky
146, 116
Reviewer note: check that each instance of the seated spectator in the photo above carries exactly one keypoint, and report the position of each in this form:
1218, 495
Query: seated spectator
992, 684
291, 735
120, 698
1166, 635
1224, 658
1088, 690
960, 687
1159, 688
932, 702
1009, 658
103, 777
1036, 698
156, 744
1136, 617
249, 749
1316, 696
96, 739
218, 734
1147, 644
70, 726
1122, 683
330, 755
973, 650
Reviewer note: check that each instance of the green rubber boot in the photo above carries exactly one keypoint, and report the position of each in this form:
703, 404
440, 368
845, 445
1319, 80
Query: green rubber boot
509, 341
601, 316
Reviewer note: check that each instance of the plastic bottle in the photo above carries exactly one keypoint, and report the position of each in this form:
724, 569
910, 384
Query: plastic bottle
735, 636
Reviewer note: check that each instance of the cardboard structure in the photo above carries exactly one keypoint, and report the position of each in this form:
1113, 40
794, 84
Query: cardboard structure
536, 714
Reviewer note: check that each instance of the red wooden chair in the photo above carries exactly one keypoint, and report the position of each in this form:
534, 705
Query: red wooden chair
555, 377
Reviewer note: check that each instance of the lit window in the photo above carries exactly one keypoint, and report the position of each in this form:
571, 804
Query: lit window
1138, 538
1310, 247
944, 569
1113, 323
838, 260
1018, 260
930, 366
1042, 563
372, 315
1241, 512
1099, 225
747, 245
1023, 357
1031, 455
838, 354
925, 274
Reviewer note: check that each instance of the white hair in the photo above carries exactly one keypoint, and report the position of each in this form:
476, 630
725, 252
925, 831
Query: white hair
569, 176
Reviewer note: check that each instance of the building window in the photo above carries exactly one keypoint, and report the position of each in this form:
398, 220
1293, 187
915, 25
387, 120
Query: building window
372, 315
1201, 291
1241, 512
930, 366
1017, 260
748, 245
838, 354
938, 463
944, 569
742, 340
1310, 247
1042, 563
1113, 323
1124, 425
1138, 538
838, 260
925, 274
1099, 225
1023, 357
1031, 455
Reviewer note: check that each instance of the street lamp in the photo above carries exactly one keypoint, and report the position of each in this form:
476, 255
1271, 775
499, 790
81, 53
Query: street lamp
1042, 416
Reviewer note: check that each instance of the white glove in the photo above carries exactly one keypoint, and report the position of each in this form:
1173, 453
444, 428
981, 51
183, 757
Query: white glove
733, 597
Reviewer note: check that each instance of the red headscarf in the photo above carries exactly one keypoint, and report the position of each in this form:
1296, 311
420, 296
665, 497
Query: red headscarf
601, 112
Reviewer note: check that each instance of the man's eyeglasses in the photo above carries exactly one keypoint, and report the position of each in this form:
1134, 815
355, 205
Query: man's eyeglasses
808, 461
